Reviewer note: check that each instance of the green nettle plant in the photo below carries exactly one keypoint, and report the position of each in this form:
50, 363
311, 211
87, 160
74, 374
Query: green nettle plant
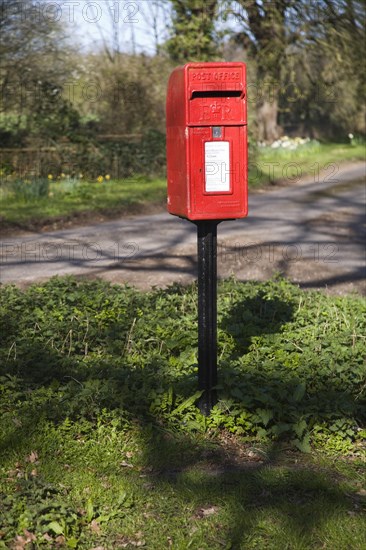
291, 364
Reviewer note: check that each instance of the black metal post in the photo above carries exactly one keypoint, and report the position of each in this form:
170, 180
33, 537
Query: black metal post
207, 313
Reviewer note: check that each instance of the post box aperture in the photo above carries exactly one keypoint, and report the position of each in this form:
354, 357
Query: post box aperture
207, 162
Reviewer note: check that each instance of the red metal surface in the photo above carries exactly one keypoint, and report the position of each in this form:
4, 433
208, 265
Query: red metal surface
206, 105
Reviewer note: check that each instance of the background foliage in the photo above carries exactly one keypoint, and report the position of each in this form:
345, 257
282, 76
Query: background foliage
305, 74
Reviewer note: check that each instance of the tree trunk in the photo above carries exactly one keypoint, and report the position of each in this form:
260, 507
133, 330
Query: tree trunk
267, 112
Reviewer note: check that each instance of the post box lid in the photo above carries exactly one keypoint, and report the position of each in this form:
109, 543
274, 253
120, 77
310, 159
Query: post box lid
216, 76
215, 94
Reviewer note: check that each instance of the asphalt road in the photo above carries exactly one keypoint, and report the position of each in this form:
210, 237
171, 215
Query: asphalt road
312, 232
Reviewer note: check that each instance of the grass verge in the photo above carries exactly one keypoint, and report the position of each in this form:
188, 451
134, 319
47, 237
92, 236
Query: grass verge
26, 205
76, 200
102, 446
320, 161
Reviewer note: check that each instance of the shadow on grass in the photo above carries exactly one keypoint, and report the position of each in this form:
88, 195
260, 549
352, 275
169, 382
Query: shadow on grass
255, 316
257, 503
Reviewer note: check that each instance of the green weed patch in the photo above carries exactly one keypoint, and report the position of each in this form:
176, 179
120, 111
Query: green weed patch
101, 440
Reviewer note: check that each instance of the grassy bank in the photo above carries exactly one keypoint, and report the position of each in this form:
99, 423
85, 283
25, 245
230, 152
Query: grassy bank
319, 161
69, 199
102, 446
32, 204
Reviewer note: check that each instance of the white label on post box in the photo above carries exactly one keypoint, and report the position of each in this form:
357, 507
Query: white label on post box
217, 166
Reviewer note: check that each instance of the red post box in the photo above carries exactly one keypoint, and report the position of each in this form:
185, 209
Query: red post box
207, 160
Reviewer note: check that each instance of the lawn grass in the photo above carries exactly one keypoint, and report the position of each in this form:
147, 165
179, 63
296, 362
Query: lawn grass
72, 199
320, 161
102, 446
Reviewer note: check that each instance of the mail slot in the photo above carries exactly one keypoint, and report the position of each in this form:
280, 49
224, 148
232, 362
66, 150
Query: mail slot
207, 158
